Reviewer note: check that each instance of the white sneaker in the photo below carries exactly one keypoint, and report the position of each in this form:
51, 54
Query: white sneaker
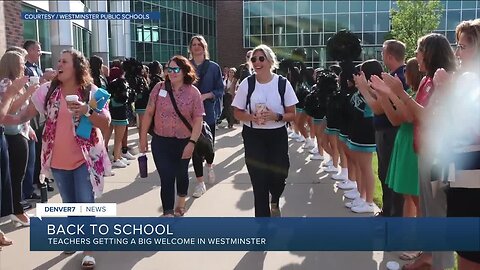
128, 156
358, 201
300, 138
126, 161
364, 208
316, 156
313, 150
347, 184
340, 176
200, 189
331, 169
327, 163
108, 172
118, 164
351, 194
308, 143
211, 175
294, 135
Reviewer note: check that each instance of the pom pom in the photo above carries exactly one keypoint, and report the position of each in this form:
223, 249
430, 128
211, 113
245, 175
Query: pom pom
344, 46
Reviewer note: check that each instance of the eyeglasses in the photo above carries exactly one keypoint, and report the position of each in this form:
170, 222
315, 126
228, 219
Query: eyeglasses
173, 69
260, 58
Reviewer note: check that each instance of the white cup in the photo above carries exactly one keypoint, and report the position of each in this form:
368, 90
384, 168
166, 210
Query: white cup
34, 80
71, 98
393, 265
48, 69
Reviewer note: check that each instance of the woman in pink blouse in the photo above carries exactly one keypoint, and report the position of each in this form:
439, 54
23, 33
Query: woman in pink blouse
173, 142
76, 163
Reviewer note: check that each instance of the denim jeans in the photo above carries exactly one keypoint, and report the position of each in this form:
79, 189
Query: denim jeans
74, 185
172, 169
27, 186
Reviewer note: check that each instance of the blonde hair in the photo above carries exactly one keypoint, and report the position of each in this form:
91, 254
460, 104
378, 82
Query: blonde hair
269, 54
204, 44
471, 30
10, 65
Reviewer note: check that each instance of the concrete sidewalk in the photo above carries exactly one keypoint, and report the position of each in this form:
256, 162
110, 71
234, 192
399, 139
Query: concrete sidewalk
230, 196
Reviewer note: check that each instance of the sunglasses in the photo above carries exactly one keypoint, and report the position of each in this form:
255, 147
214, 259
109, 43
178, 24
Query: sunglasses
260, 58
173, 69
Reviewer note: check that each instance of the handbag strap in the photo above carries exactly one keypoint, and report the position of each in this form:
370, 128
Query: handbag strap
168, 87
155, 94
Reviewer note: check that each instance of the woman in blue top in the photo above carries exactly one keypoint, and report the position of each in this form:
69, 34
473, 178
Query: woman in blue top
211, 87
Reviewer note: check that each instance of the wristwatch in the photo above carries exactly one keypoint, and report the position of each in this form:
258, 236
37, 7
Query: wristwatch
279, 117
89, 111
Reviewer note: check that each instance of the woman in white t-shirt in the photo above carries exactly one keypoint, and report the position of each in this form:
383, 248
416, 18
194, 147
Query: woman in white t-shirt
264, 116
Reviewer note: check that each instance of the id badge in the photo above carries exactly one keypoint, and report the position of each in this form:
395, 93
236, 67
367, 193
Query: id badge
162, 93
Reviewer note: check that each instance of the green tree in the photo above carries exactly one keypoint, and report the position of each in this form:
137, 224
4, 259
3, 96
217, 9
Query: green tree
414, 19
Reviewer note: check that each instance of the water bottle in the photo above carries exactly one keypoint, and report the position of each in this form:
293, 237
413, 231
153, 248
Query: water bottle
142, 165
43, 189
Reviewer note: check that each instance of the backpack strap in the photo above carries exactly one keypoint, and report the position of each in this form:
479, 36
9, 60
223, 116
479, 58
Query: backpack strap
282, 86
251, 87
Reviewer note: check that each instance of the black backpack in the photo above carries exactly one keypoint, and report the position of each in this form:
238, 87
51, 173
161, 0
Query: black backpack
282, 85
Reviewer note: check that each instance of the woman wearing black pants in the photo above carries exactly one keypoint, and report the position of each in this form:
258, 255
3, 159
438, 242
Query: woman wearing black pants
264, 114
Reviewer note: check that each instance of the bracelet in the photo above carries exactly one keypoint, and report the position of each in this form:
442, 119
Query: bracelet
192, 141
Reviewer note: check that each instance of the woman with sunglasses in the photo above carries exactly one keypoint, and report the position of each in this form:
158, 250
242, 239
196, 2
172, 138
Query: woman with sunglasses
173, 142
264, 131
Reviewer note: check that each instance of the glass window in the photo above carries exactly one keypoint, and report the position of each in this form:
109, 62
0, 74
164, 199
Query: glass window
469, 4
343, 6
454, 4
254, 9
443, 21
291, 7
368, 38
268, 40
330, 23
163, 18
279, 25
305, 39
327, 37
356, 22
170, 19
279, 8
355, 6
317, 7
255, 41
369, 22
343, 21
267, 25
383, 21
267, 9
453, 18
468, 15
303, 7
383, 5
279, 40
255, 26
451, 37
30, 29
291, 24
317, 23
381, 37
304, 24
246, 8
316, 39
330, 6
43, 34
292, 40
369, 6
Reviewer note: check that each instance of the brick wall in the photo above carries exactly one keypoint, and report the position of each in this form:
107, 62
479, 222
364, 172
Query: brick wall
230, 33
13, 23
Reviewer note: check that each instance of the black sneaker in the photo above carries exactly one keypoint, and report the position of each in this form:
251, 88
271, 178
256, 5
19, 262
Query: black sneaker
26, 205
50, 188
34, 196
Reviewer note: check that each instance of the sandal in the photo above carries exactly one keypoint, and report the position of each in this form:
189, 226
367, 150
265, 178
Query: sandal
4, 241
88, 262
180, 211
408, 256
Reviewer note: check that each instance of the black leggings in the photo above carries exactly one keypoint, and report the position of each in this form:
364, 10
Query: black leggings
266, 157
18, 155
198, 160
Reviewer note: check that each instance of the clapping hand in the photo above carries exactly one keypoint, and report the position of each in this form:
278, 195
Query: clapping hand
17, 85
380, 87
394, 83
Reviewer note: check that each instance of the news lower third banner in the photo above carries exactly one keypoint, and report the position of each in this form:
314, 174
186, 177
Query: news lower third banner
90, 15
253, 234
